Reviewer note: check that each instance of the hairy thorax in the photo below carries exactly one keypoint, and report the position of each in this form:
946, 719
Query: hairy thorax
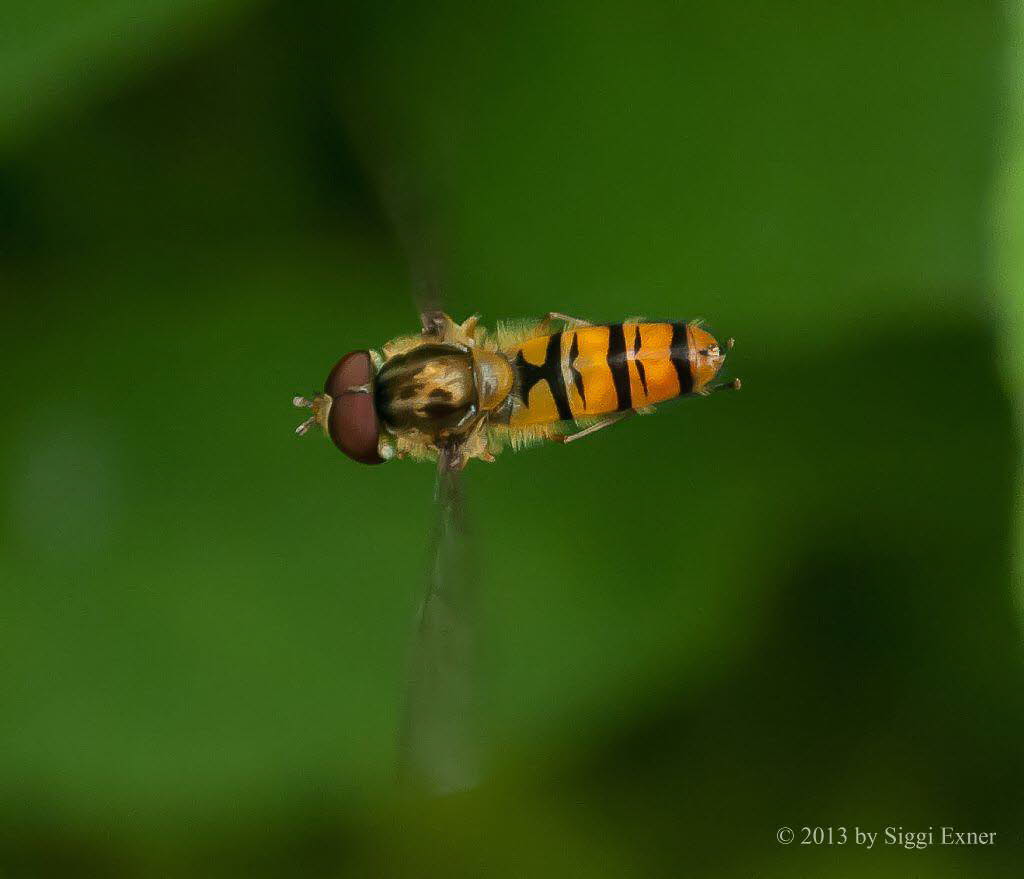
430, 389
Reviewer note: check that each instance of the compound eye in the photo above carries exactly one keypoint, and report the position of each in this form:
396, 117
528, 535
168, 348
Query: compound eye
352, 422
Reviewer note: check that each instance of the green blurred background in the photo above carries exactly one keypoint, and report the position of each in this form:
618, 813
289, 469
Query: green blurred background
791, 606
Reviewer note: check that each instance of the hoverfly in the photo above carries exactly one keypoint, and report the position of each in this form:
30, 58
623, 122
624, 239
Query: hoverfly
455, 392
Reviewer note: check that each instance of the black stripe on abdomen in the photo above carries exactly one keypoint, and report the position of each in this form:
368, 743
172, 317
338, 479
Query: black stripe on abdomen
577, 376
680, 354
550, 371
619, 366
640, 371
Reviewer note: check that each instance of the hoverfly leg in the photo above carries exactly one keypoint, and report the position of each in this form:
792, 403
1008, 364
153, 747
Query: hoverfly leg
594, 428
734, 385
566, 319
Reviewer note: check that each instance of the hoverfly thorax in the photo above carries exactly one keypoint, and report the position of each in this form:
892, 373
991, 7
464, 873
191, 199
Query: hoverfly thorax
430, 388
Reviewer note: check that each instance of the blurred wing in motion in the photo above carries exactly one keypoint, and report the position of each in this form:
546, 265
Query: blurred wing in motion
418, 237
413, 217
439, 747
438, 742
439, 739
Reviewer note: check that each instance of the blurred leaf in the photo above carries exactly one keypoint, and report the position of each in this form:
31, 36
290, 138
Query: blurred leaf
785, 605
57, 54
1009, 261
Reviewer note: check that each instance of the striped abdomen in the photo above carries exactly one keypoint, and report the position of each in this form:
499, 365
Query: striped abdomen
591, 371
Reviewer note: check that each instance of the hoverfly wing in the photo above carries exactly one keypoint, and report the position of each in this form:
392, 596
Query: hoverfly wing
410, 214
439, 746
409, 194
419, 237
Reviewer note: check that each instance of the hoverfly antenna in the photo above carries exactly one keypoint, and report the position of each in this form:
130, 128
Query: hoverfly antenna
729, 343
321, 406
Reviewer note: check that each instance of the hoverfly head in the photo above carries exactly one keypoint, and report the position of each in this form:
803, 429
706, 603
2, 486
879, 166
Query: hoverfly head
346, 410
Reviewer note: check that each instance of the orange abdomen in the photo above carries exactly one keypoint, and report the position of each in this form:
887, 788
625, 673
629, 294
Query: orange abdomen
591, 371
